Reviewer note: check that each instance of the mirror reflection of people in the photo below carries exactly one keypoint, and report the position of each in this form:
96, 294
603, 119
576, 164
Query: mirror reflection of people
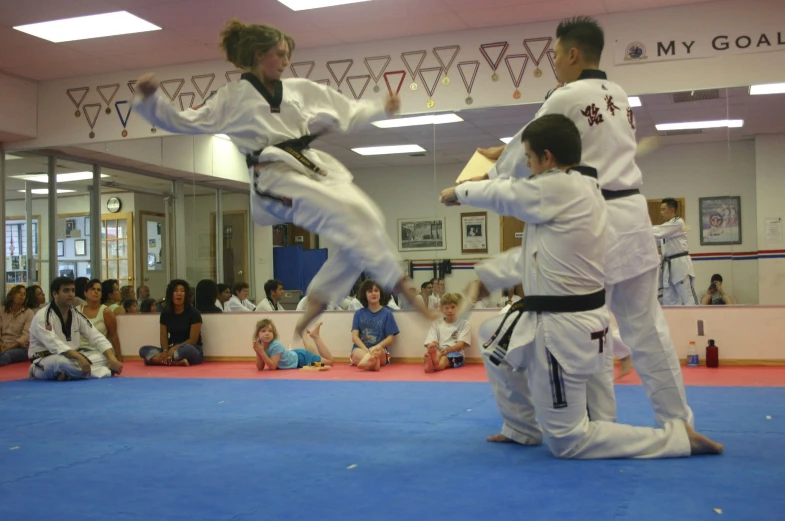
677, 276
715, 295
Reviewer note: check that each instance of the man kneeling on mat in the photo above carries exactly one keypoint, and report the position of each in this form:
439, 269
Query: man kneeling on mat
271, 353
447, 337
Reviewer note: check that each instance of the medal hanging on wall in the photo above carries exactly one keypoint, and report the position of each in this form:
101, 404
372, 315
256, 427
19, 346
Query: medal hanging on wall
365, 78
338, 82
372, 70
120, 107
77, 104
95, 108
108, 100
203, 82
301, 73
413, 70
401, 78
455, 50
521, 59
501, 48
469, 84
550, 54
537, 57
430, 89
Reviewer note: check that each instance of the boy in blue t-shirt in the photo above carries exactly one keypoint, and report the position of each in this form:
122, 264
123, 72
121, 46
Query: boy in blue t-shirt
373, 329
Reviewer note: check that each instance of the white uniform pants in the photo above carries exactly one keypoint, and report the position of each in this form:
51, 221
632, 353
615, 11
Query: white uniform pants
341, 213
643, 327
559, 400
49, 367
680, 293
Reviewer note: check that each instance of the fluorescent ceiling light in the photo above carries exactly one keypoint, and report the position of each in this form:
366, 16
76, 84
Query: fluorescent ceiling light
302, 5
11, 157
436, 119
770, 88
635, 101
61, 178
505, 140
85, 27
695, 125
395, 149
45, 191
223, 136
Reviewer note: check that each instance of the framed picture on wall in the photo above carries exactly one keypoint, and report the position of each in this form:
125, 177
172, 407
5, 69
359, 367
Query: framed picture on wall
425, 233
70, 226
80, 247
86, 226
60, 248
474, 232
720, 220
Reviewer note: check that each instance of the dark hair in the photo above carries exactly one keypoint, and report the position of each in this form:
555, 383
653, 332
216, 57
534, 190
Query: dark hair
168, 303
240, 42
81, 284
127, 303
223, 287
32, 302
716, 277
365, 287
672, 203
139, 289
271, 285
124, 292
206, 295
107, 288
147, 305
584, 33
425, 284
58, 283
239, 286
89, 284
9, 298
556, 133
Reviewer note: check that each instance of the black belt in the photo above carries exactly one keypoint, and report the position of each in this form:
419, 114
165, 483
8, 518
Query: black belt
610, 195
667, 261
542, 304
293, 147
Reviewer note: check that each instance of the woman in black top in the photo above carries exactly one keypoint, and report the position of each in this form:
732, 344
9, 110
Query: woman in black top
206, 296
181, 328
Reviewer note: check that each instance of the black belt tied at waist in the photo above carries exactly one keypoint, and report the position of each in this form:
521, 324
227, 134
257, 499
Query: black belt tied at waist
542, 304
293, 147
666, 261
39, 355
610, 195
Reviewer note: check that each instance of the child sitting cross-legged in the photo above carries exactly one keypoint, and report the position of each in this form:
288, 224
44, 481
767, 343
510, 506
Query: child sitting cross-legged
447, 337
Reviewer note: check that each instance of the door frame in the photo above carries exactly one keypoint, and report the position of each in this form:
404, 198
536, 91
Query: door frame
214, 243
142, 248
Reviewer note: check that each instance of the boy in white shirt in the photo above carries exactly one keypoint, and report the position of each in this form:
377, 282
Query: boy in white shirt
447, 337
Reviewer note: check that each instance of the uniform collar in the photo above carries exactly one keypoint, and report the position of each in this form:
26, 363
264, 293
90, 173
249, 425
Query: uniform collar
586, 170
593, 74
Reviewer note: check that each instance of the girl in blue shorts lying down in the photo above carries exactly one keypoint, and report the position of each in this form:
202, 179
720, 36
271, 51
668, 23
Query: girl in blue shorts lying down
271, 353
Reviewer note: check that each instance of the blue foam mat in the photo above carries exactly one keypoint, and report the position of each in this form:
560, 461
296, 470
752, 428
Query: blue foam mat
177, 449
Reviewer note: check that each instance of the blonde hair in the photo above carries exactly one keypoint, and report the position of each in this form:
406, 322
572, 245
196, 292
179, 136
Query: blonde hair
263, 324
451, 298
240, 42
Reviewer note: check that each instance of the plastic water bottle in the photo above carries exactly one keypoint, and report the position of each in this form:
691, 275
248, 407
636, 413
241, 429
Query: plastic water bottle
692, 355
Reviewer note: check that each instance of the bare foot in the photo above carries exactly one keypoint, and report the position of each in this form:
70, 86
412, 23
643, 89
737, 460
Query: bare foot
499, 438
625, 367
428, 363
314, 333
182, 362
433, 352
700, 444
115, 367
377, 363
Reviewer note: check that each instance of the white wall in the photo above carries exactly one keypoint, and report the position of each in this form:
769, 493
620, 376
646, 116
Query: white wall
770, 158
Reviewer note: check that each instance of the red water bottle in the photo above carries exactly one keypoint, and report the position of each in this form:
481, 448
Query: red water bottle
712, 355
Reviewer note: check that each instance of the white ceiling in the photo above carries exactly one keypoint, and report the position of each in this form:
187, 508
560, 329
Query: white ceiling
191, 27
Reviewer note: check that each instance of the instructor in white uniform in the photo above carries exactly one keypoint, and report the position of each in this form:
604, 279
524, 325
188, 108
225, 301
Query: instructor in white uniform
677, 277
601, 111
557, 333
55, 338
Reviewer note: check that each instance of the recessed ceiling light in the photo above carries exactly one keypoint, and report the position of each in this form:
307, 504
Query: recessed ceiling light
769, 88
85, 27
11, 157
61, 178
302, 5
505, 140
223, 136
45, 191
695, 125
394, 149
436, 119
635, 101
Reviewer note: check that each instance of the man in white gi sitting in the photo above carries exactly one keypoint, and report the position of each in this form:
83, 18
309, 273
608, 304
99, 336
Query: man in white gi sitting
555, 336
55, 337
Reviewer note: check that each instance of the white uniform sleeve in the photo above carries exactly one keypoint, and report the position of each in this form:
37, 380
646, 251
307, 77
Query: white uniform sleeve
530, 200
264, 305
94, 337
303, 304
46, 337
250, 306
433, 333
333, 110
514, 154
669, 229
211, 118
234, 305
501, 271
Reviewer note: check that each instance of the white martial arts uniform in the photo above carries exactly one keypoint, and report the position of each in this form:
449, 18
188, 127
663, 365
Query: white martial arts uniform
601, 111
234, 304
405, 303
677, 276
327, 203
51, 333
267, 305
539, 362
434, 302
220, 306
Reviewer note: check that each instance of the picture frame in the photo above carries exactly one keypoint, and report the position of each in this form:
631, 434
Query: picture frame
80, 247
474, 232
422, 234
61, 248
70, 226
720, 220
86, 226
